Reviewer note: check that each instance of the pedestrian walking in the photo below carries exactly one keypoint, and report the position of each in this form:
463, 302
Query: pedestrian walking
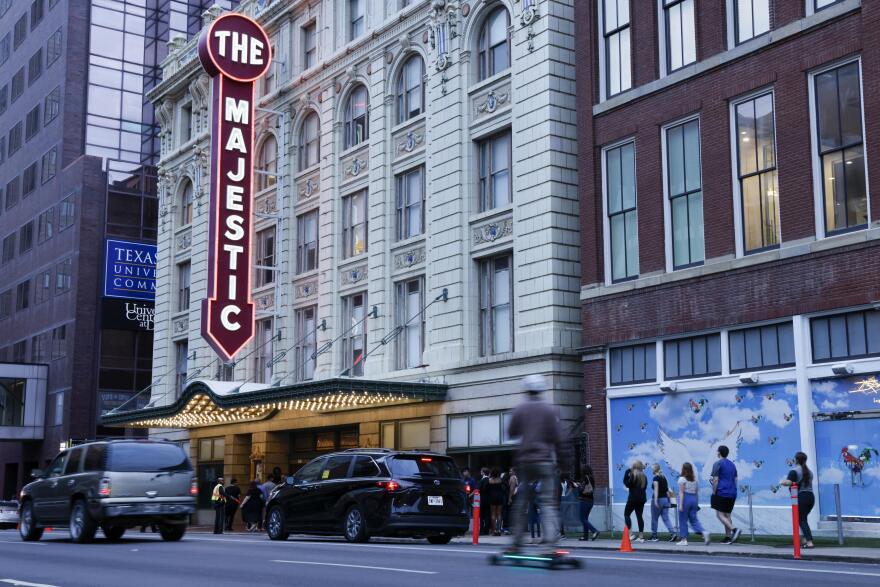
803, 477
566, 495
469, 483
495, 498
252, 507
637, 483
485, 510
534, 512
512, 487
218, 502
536, 423
724, 493
689, 504
585, 496
660, 503
233, 500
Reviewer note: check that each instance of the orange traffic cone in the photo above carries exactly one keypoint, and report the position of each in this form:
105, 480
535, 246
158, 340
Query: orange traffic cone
625, 545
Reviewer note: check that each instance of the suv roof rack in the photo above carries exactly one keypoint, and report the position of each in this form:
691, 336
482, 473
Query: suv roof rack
368, 450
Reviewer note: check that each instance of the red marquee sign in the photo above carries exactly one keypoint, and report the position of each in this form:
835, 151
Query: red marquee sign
235, 51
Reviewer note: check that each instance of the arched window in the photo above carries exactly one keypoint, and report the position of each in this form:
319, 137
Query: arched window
186, 204
494, 46
267, 164
411, 89
309, 141
357, 126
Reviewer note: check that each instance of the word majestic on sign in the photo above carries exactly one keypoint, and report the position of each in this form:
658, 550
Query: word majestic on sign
235, 51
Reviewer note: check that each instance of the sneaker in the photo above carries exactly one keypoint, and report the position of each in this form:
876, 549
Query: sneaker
682, 542
640, 539
632, 537
727, 540
673, 538
653, 539
706, 538
594, 535
736, 533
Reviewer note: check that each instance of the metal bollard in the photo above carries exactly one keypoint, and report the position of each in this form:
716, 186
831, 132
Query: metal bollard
794, 519
476, 516
838, 514
751, 513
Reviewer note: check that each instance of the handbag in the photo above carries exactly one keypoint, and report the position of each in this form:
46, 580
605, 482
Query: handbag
587, 489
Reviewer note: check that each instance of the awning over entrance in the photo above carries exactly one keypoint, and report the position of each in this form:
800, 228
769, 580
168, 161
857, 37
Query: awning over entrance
207, 403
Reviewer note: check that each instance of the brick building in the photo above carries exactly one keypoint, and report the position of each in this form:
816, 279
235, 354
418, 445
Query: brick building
731, 243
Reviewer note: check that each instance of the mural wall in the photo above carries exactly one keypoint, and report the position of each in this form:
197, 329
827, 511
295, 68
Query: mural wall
847, 449
758, 423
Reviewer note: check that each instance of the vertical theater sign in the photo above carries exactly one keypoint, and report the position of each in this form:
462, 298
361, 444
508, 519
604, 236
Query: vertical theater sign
235, 51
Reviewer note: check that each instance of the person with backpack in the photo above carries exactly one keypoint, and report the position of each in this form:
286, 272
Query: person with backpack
660, 503
803, 477
636, 482
585, 496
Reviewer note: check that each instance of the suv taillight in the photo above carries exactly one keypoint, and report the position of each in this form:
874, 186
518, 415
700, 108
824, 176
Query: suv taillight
389, 485
194, 487
104, 487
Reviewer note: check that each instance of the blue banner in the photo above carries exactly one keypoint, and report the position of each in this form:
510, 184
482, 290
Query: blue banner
130, 270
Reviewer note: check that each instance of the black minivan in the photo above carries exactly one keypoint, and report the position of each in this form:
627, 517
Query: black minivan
371, 492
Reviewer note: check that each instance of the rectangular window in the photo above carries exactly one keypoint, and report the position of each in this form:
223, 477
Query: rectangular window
822, 4
410, 321
23, 295
354, 337
264, 264
761, 347
306, 343
26, 238
616, 42
19, 33
53, 48
307, 242
620, 198
63, 272
29, 180
495, 177
37, 10
58, 416
840, 147
49, 165
19, 352
46, 225
8, 248
181, 350
66, 212
40, 348
15, 139
35, 66
12, 192
263, 351
852, 335
756, 172
496, 305
52, 105
685, 193
2, 159
17, 85
185, 129
183, 274
43, 286
696, 356
5, 49
751, 18
4, 98
5, 304
310, 45
356, 18
354, 224
633, 364
32, 122
681, 33
410, 203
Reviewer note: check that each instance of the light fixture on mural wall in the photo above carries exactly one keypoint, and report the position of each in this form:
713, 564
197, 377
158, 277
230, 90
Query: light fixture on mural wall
842, 369
668, 386
749, 378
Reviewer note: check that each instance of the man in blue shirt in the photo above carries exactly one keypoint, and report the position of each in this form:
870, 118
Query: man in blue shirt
724, 493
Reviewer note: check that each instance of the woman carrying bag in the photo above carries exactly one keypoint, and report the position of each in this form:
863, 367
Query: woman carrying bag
585, 496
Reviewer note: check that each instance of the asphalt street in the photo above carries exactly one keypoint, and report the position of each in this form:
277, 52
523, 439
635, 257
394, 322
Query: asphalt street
206, 559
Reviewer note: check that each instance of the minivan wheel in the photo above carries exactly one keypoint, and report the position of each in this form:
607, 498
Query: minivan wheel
275, 526
82, 525
113, 532
172, 533
355, 525
439, 539
27, 525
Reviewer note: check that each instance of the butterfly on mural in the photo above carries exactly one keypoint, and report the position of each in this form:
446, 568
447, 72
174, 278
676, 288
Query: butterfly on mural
787, 417
770, 396
620, 466
643, 427
654, 405
632, 445
757, 418
758, 464
619, 427
774, 488
772, 440
738, 398
697, 405
856, 463
630, 407
789, 462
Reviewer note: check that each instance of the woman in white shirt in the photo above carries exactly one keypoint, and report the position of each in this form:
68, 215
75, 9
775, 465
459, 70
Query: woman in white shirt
688, 505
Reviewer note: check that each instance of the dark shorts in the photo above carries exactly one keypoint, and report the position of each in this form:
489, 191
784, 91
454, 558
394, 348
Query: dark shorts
722, 504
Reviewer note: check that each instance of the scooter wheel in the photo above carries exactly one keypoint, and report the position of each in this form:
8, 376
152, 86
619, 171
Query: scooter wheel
494, 560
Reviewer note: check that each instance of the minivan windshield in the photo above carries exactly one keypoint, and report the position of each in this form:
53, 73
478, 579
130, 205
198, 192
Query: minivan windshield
425, 465
147, 457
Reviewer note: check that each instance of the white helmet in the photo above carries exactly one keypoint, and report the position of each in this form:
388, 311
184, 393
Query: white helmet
534, 383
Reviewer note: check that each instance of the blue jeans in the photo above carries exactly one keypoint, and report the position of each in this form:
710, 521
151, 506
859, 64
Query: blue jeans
586, 507
661, 509
687, 513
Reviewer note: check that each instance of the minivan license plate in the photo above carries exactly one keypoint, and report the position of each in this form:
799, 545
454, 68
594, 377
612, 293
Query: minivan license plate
435, 500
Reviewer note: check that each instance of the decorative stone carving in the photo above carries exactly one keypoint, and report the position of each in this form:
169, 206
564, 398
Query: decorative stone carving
353, 275
267, 204
183, 241
409, 142
307, 187
355, 166
211, 14
409, 258
492, 231
529, 14
490, 102
308, 289
405, 42
265, 301
180, 325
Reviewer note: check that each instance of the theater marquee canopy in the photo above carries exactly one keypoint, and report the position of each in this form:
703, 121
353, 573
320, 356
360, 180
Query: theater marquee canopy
210, 403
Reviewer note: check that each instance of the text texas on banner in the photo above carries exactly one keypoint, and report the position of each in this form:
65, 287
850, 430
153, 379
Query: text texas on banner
235, 51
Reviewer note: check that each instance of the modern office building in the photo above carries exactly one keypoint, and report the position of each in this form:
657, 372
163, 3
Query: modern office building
416, 236
730, 251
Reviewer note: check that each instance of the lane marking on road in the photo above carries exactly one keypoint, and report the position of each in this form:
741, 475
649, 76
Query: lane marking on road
21, 542
25, 583
356, 567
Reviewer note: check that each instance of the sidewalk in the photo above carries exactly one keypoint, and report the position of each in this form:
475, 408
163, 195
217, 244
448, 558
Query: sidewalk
741, 548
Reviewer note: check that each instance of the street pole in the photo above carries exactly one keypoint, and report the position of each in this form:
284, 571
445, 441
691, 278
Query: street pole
476, 516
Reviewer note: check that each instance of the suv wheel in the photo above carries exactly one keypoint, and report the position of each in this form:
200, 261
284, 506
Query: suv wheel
27, 526
439, 539
275, 526
172, 533
82, 525
355, 525
113, 532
